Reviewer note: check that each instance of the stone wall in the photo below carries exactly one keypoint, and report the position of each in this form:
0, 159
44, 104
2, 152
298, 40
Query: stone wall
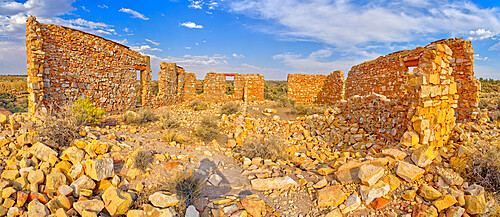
65, 64
319, 89
468, 86
247, 87
214, 87
395, 103
174, 85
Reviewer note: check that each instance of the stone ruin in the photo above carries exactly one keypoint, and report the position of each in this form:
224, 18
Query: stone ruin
65, 64
412, 95
316, 89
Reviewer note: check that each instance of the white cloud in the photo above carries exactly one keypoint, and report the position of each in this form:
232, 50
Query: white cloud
39, 8
13, 57
314, 63
103, 6
85, 9
480, 34
124, 41
495, 46
191, 25
188, 48
238, 55
126, 29
346, 23
478, 57
482, 71
144, 48
152, 42
199, 4
134, 14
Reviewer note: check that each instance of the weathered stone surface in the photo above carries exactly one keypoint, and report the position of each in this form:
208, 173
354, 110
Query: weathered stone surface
37, 209
42, 151
351, 204
369, 193
84, 182
455, 211
36, 176
55, 180
273, 183
394, 153
423, 156
192, 212
475, 204
162, 200
93, 205
99, 169
254, 206
370, 174
429, 192
348, 172
444, 202
308, 89
73, 154
450, 177
116, 201
10, 174
409, 172
331, 196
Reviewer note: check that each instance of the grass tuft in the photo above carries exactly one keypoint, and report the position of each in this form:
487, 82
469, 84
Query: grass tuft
167, 121
59, 128
198, 105
229, 108
273, 147
173, 136
142, 160
207, 130
187, 186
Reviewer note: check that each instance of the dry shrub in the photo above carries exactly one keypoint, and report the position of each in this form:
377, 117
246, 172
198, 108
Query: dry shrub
142, 160
302, 109
207, 130
198, 105
284, 102
187, 186
167, 121
173, 136
273, 147
59, 128
143, 116
481, 165
229, 108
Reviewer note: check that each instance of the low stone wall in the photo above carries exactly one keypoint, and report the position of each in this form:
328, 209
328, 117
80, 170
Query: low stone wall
247, 87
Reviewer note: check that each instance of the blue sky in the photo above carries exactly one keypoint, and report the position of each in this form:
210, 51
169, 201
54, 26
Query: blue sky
270, 37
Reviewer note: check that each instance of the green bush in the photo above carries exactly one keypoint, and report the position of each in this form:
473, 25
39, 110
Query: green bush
87, 112
198, 105
272, 147
229, 108
207, 130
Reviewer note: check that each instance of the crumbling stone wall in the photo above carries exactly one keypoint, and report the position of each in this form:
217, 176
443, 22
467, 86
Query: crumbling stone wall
174, 85
468, 86
65, 64
320, 89
416, 106
247, 87
214, 87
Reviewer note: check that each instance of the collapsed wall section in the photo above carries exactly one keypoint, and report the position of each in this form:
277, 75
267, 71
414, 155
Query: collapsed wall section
320, 89
174, 85
214, 87
66, 64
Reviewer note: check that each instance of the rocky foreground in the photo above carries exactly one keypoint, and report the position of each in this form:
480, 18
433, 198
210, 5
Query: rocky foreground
334, 168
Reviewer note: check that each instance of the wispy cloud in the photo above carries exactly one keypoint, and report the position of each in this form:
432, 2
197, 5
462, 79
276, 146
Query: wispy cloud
103, 6
200, 4
152, 42
145, 48
85, 9
191, 25
134, 14
235, 55
347, 23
